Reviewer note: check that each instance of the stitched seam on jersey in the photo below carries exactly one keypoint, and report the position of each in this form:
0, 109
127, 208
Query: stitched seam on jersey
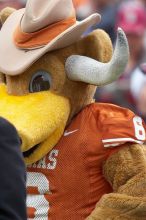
88, 164
94, 115
97, 121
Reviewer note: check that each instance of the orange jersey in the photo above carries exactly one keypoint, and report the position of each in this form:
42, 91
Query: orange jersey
68, 182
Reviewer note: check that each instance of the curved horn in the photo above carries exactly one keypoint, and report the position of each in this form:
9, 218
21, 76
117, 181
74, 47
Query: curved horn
85, 69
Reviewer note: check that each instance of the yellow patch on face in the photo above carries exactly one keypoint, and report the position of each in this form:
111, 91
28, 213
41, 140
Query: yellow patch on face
40, 119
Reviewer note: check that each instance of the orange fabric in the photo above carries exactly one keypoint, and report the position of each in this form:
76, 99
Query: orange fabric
78, 3
40, 38
32, 211
69, 180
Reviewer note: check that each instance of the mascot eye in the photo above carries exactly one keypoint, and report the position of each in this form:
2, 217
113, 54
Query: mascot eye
41, 81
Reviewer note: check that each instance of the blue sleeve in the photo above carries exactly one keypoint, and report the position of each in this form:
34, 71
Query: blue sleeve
12, 174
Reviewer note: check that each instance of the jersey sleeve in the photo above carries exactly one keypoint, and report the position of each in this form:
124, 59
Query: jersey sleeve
119, 125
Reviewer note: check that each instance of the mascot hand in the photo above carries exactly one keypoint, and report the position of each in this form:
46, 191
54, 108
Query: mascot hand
126, 173
119, 207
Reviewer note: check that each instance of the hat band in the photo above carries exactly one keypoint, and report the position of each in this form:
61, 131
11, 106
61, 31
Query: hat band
42, 37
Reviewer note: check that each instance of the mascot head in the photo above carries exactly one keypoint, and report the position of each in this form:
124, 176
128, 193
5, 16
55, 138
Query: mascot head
49, 72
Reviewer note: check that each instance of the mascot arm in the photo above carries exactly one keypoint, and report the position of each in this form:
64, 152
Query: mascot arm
126, 173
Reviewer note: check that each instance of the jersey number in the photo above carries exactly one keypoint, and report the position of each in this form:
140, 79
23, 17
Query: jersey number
139, 129
38, 202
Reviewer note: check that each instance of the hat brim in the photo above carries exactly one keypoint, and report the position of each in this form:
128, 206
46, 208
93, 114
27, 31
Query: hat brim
14, 61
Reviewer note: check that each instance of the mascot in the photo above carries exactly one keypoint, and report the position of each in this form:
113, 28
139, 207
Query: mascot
85, 160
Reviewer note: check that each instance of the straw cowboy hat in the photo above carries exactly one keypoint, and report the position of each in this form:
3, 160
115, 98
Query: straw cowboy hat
43, 26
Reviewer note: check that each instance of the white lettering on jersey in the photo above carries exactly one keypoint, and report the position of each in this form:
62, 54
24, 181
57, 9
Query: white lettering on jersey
52, 158
39, 180
43, 164
139, 129
38, 202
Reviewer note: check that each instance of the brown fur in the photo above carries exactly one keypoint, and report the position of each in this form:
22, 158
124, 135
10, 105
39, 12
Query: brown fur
126, 172
80, 94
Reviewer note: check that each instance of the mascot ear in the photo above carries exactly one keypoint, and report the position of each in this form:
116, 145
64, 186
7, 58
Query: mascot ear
5, 13
96, 45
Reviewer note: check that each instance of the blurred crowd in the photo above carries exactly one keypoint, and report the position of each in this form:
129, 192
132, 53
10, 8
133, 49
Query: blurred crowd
130, 90
12, 3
